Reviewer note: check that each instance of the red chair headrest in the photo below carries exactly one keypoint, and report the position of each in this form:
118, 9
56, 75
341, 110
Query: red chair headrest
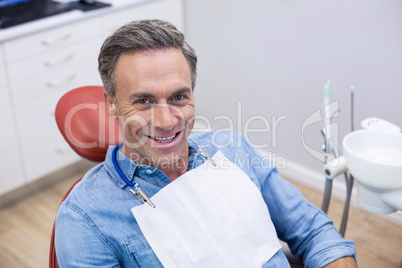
84, 122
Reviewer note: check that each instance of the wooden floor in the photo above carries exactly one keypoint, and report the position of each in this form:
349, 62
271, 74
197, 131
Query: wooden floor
378, 242
25, 230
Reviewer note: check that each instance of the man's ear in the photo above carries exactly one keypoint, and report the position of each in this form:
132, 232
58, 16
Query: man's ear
110, 105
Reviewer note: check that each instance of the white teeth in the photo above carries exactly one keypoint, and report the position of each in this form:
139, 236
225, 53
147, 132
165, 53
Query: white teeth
164, 139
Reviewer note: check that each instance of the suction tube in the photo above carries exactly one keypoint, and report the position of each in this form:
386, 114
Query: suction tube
331, 170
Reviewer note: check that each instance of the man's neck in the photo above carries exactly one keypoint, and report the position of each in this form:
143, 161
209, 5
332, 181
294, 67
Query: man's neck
177, 167
174, 173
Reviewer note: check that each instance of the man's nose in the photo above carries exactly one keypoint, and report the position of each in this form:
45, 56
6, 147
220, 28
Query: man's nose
165, 117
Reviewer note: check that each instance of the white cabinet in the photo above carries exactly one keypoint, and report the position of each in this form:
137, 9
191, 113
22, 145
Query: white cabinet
37, 69
50, 40
64, 69
40, 69
54, 153
11, 172
11, 169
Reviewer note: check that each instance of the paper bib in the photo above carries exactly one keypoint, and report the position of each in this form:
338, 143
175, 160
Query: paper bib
209, 217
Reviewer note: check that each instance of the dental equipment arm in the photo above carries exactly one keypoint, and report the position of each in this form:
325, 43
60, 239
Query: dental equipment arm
331, 152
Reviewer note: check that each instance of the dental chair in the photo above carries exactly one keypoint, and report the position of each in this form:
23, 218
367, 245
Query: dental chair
83, 121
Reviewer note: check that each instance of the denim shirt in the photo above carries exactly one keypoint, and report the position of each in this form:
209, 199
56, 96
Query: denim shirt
95, 226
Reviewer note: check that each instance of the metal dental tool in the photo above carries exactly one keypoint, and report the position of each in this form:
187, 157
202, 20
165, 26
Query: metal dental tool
206, 155
331, 152
138, 193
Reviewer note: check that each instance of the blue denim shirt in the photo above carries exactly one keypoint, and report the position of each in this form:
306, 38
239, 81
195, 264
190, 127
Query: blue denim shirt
95, 226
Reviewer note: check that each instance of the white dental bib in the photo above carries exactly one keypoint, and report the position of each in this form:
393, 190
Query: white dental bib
209, 217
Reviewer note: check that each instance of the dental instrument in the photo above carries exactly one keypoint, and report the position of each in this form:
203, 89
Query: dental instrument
332, 158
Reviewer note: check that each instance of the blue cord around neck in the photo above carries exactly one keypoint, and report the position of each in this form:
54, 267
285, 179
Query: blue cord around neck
117, 167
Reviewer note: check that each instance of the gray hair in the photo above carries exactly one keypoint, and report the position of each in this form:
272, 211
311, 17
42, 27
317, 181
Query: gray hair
138, 36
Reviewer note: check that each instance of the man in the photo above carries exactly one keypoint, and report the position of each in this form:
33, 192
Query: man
149, 74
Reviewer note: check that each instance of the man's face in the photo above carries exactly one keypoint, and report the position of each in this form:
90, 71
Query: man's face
155, 106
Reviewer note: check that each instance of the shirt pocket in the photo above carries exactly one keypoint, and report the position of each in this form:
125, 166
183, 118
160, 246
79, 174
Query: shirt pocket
141, 252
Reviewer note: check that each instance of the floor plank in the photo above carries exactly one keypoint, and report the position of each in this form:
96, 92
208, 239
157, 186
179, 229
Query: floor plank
25, 228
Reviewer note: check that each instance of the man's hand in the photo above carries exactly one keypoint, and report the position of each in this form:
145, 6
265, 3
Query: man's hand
345, 262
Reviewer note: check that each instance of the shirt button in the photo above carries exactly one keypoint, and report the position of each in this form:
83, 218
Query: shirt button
149, 171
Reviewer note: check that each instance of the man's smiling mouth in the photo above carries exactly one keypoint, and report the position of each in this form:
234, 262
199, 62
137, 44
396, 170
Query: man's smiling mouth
163, 139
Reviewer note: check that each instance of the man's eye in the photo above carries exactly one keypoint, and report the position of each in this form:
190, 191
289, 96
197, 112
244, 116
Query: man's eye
142, 101
178, 97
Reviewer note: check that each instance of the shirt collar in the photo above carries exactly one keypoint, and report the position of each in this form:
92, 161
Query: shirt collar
131, 169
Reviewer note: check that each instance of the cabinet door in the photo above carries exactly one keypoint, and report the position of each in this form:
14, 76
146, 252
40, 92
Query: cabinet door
170, 10
11, 171
47, 154
44, 65
11, 167
8, 135
43, 147
78, 67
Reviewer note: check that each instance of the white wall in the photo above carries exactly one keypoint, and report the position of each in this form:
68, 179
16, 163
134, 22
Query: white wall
275, 56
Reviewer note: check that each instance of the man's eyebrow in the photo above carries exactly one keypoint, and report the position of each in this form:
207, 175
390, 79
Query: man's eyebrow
140, 95
147, 95
181, 91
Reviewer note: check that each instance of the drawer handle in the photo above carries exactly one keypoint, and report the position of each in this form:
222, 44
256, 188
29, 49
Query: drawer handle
59, 82
55, 40
59, 61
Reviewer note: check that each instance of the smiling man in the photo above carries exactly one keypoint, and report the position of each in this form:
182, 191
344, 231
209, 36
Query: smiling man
155, 106
203, 201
